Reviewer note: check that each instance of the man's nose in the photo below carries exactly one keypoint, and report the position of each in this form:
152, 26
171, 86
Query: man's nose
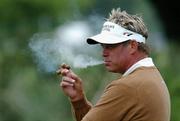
105, 52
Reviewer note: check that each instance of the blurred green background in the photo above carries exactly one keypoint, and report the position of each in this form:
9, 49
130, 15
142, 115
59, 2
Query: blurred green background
28, 94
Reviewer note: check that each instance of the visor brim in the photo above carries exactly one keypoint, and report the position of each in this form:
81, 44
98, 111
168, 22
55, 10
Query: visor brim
106, 39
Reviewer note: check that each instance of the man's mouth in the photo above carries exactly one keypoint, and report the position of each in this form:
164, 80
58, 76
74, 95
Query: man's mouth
107, 62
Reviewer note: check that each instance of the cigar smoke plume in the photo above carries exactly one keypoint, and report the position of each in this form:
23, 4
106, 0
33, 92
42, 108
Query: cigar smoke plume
66, 45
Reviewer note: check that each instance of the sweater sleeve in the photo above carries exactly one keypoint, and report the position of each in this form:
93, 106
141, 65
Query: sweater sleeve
81, 108
116, 103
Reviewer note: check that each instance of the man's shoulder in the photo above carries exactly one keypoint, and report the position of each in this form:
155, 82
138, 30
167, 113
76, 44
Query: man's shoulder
140, 75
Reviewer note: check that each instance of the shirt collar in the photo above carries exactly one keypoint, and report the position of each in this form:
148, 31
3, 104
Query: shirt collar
146, 62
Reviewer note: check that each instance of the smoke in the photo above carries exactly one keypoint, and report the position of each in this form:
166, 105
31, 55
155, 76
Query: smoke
66, 45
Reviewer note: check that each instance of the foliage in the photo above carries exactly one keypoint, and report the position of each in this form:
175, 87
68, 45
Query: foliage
167, 62
30, 95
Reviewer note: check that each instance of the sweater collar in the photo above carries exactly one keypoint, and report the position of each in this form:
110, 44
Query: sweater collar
146, 62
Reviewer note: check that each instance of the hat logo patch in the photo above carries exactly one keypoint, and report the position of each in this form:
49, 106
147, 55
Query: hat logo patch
127, 33
107, 27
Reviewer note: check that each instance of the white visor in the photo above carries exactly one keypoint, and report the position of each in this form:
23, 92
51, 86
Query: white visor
113, 33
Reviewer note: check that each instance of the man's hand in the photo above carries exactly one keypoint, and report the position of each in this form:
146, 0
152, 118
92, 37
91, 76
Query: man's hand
71, 84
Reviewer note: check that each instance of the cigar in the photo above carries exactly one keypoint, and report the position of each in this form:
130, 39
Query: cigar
64, 66
58, 72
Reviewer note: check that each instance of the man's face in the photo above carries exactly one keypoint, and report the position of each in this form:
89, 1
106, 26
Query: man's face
116, 57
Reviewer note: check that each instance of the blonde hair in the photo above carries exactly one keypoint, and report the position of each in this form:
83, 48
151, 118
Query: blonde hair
131, 22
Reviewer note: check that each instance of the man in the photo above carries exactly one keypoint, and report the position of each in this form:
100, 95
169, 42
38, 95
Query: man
140, 94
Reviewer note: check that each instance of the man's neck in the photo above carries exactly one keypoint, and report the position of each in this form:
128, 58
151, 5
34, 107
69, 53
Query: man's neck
145, 62
135, 58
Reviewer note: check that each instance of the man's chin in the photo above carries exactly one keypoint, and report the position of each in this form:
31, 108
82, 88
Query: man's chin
110, 69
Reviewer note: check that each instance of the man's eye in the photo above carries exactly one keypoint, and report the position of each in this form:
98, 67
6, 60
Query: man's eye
109, 46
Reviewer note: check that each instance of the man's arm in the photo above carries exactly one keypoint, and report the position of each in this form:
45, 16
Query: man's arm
81, 108
118, 102
71, 85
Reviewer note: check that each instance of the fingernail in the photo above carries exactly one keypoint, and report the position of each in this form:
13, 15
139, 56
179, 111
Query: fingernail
73, 80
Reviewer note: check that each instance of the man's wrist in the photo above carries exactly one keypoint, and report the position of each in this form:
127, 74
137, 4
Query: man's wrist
78, 104
78, 97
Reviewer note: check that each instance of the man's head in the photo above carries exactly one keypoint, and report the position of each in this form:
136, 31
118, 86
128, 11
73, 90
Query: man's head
123, 40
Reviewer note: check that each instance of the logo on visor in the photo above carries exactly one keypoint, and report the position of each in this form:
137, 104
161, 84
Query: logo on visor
107, 27
127, 33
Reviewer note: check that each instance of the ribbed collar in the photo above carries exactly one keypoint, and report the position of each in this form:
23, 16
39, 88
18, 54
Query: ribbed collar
146, 62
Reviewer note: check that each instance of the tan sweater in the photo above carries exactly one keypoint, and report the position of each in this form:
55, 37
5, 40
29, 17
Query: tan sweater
140, 96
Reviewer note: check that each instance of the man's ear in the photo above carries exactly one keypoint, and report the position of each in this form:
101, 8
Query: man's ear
133, 46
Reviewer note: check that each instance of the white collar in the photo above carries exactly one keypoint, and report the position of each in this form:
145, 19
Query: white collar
146, 62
